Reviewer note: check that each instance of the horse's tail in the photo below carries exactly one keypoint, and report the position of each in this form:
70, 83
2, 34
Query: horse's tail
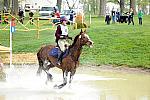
39, 52
39, 57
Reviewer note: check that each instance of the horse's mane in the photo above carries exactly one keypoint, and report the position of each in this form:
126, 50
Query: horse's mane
75, 40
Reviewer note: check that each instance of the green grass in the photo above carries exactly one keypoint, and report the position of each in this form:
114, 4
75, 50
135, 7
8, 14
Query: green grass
115, 44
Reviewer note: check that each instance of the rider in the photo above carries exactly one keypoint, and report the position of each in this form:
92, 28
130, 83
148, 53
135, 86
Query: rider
61, 37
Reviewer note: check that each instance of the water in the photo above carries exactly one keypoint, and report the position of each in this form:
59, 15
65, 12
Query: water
88, 84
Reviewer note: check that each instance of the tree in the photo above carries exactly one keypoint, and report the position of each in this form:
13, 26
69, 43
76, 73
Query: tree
142, 4
133, 5
6, 5
59, 2
71, 7
102, 7
121, 3
1, 5
149, 7
14, 7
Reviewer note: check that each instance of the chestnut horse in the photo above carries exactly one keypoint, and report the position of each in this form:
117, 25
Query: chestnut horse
69, 63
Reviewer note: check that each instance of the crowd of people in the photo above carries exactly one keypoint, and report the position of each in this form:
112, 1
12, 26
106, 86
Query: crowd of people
116, 16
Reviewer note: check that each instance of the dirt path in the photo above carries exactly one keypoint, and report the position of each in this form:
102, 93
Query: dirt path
28, 58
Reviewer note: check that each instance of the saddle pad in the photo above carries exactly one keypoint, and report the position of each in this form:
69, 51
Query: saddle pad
54, 52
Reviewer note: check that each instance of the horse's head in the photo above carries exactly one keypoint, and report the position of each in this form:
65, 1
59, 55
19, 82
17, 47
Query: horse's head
85, 39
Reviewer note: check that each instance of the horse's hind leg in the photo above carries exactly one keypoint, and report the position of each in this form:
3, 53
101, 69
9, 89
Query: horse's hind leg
49, 76
40, 61
39, 71
45, 65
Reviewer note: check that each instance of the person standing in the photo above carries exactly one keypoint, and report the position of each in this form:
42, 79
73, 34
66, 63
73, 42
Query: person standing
140, 16
117, 15
31, 17
113, 14
21, 15
130, 17
71, 16
57, 16
0, 18
108, 19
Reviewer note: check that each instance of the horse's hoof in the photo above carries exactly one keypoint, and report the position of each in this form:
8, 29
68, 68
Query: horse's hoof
50, 78
56, 86
38, 74
46, 82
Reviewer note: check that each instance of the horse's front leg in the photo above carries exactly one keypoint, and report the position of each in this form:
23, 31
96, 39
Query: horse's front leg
65, 75
71, 75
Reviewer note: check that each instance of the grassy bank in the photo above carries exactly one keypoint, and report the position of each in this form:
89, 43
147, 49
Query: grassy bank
115, 44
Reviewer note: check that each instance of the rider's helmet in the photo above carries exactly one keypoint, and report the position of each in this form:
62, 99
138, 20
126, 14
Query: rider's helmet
63, 18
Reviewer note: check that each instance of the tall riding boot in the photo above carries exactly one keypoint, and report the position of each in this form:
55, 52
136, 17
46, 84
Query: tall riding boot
59, 58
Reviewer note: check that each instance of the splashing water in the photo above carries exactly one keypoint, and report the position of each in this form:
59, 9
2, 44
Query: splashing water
23, 84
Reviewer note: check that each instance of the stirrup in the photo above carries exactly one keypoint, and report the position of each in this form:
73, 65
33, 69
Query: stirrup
58, 62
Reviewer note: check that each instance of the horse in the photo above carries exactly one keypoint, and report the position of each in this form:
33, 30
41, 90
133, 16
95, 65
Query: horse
68, 64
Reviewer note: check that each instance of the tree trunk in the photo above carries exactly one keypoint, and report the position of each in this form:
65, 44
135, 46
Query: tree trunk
133, 5
149, 7
14, 9
6, 6
102, 7
1, 5
59, 2
121, 6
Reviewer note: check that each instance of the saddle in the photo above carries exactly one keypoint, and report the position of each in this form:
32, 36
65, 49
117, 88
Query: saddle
55, 52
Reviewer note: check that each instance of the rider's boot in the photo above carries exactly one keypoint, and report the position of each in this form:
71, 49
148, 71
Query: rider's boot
59, 58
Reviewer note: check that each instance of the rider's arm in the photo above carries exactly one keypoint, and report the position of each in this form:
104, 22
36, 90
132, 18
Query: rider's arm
58, 32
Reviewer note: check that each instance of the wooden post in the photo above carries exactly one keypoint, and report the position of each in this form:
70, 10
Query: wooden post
90, 12
10, 46
38, 31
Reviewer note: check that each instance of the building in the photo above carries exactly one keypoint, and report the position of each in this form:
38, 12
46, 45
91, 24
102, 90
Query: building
36, 4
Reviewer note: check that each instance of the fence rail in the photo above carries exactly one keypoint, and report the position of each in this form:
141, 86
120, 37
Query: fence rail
24, 27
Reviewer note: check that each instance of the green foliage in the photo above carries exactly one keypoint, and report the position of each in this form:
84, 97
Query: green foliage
142, 2
115, 44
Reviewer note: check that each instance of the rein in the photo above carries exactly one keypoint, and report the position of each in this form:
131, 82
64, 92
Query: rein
75, 48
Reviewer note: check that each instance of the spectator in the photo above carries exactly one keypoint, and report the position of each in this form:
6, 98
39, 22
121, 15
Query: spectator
117, 15
21, 15
5, 12
140, 16
0, 18
54, 11
130, 17
6, 18
71, 16
56, 15
113, 14
31, 17
108, 18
